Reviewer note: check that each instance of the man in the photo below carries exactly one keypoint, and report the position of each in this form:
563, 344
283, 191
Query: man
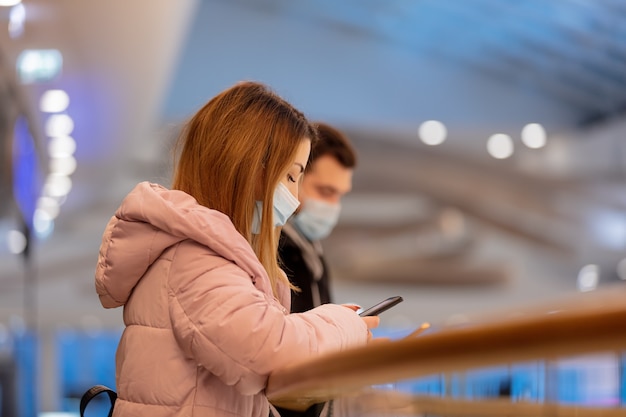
328, 177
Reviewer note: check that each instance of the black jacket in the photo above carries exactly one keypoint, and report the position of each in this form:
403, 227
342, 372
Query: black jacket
304, 264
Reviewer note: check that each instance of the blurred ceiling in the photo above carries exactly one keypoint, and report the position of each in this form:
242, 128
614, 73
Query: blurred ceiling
446, 215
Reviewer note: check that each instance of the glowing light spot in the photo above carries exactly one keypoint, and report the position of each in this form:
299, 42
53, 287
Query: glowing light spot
65, 165
432, 132
57, 185
588, 277
621, 269
534, 136
59, 125
39, 65
500, 146
17, 17
54, 101
61, 146
49, 205
16, 241
43, 224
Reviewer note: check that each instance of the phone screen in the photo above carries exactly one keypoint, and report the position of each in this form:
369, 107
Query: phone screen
382, 306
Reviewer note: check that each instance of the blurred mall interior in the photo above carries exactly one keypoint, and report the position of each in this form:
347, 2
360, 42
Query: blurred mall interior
491, 137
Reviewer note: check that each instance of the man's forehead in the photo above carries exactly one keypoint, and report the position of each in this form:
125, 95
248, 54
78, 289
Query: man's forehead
326, 163
337, 181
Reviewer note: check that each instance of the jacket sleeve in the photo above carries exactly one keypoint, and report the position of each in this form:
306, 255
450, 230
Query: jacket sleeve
224, 323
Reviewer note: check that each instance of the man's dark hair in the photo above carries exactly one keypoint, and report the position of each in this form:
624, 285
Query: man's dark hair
334, 143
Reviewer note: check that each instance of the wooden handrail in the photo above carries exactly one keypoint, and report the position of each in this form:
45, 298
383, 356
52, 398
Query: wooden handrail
501, 407
585, 323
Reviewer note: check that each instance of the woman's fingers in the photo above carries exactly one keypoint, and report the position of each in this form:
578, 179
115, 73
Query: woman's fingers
372, 322
353, 307
380, 340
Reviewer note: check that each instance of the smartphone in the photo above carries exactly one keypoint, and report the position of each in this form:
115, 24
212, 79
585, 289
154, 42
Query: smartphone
382, 306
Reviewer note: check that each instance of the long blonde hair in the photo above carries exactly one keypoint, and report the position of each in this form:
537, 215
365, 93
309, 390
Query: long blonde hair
239, 143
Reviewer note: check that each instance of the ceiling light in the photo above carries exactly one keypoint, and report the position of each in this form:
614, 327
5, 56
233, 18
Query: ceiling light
60, 146
621, 269
43, 224
39, 65
59, 125
432, 132
57, 185
54, 101
63, 166
588, 277
16, 241
17, 17
534, 136
500, 146
49, 205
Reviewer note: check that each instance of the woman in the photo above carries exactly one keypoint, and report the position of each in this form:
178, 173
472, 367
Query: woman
206, 305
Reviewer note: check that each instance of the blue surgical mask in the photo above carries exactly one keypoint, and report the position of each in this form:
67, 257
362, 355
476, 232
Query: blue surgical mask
317, 218
284, 206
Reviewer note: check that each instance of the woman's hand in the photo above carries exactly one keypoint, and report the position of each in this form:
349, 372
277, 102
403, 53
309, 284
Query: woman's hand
371, 322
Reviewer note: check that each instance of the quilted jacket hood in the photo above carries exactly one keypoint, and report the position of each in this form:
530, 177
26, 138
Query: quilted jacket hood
152, 218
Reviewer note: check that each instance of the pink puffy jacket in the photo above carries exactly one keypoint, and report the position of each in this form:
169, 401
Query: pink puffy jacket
203, 329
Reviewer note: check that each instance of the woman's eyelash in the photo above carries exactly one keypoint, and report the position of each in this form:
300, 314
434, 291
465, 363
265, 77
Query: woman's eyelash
291, 178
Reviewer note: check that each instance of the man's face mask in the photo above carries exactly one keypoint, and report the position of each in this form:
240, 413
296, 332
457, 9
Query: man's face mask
284, 206
317, 218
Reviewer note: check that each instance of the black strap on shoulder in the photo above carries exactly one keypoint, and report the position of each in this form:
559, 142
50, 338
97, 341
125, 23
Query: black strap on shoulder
94, 391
